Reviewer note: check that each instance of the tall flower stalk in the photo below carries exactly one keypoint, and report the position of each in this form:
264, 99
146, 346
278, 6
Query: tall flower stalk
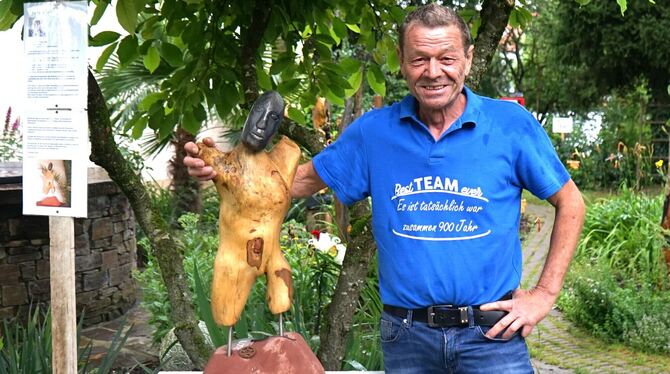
11, 141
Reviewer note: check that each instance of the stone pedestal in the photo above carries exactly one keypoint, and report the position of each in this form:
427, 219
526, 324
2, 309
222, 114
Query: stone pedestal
288, 354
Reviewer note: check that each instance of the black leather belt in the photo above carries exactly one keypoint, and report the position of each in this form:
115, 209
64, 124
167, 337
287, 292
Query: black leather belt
450, 316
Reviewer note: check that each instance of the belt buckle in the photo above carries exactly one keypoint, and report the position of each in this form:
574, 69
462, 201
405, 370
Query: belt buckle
431, 314
463, 313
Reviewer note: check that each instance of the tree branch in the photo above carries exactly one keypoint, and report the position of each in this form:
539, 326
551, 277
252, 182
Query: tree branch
252, 37
105, 152
360, 251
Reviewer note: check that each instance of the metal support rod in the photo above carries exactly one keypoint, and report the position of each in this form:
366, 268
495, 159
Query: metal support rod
281, 324
230, 340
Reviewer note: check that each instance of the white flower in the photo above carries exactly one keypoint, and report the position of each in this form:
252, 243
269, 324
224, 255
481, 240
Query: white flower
329, 244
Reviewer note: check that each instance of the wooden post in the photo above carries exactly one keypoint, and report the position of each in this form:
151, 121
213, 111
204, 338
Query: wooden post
63, 297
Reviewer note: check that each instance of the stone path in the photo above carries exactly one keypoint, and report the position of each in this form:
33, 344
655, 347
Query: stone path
555, 344
137, 348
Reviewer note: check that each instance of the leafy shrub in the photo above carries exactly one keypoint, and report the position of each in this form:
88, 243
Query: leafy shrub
617, 310
25, 347
625, 232
622, 153
618, 285
200, 244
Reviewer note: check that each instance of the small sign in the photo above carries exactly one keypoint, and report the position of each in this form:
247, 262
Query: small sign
562, 125
55, 136
518, 99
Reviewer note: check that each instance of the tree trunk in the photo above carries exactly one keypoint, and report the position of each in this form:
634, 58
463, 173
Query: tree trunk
185, 188
494, 16
105, 152
360, 251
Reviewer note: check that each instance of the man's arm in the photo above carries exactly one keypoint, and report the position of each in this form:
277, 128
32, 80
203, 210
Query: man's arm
529, 307
307, 182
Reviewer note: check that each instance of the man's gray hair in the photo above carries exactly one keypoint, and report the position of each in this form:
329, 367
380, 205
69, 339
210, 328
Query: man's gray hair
434, 15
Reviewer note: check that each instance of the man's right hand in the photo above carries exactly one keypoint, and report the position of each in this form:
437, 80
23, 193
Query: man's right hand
196, 166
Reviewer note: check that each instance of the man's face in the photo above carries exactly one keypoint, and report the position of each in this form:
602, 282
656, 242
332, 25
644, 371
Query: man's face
263, 121
435, 65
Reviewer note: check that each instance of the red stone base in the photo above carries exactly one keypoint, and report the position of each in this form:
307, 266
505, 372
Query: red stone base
288, 354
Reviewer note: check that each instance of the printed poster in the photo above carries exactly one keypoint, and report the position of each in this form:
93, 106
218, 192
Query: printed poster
55, 138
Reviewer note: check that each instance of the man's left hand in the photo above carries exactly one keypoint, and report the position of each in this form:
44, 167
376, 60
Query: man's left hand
526, 309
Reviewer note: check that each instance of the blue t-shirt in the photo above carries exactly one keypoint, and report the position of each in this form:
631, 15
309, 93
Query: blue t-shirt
445, 213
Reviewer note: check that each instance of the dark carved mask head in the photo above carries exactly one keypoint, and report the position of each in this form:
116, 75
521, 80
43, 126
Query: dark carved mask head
264, 118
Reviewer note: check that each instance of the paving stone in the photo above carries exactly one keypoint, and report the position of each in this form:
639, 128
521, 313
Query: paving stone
554, 335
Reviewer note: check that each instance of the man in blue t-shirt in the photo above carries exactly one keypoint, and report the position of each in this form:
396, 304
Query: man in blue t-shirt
445, 169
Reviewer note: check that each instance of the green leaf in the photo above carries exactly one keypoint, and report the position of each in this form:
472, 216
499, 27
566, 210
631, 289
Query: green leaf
144, 47
152, 59
668, 89
103, 38
280, 64
138, 128
127, 49
583, 2
190, 123
323, 50
334, 68
264, 80
100, 9
104, 56
350, 65
355, 81
226, 98
325, 39
131, 122
288, 87
334, 35
296, 115
474, 28
398, 14
149, 100
354, 28
520, 17
337, 82
334, 98
5, 6
623, 5
175, 27
127, 15
199, 113
228, 75
340, 28
392, 61
7, 17
172, 54
375, 79
204, 305
378, 56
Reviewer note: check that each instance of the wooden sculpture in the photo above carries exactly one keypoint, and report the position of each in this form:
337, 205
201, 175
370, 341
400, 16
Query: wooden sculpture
254, 189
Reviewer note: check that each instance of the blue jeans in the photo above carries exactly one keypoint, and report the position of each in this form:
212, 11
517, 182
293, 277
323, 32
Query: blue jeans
412, 347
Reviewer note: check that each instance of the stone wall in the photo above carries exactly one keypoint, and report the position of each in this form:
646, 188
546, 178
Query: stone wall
105, 255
